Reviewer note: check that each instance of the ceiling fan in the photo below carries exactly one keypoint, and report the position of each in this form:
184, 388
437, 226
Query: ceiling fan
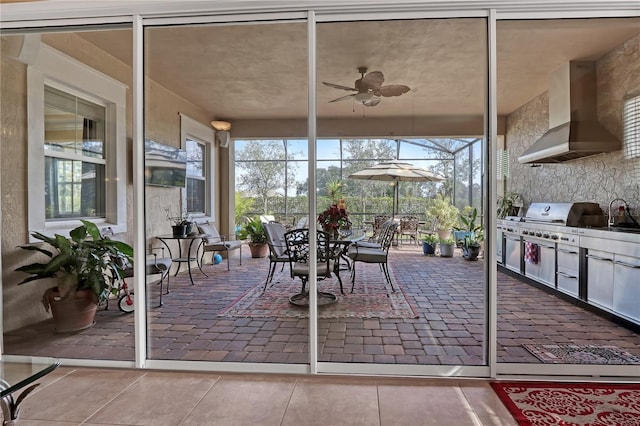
369, 88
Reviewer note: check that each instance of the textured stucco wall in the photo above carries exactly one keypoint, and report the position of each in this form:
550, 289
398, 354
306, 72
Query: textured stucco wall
599, 178
21, 303
18, 302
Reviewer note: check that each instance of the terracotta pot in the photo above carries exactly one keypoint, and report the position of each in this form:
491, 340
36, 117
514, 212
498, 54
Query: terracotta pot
259, 249
72, 315
444, 234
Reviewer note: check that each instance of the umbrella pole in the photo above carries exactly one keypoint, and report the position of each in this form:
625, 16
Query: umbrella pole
395, 199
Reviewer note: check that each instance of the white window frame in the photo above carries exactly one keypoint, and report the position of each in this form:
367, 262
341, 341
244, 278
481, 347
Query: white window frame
53, 68
194, 130
631, 127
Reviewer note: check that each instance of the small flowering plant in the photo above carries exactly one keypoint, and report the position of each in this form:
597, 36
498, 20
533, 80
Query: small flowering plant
333, 218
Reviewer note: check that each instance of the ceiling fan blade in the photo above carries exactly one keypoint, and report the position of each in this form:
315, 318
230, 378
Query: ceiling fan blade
373, 80
372, 102
343, 98
338, 86
392, 90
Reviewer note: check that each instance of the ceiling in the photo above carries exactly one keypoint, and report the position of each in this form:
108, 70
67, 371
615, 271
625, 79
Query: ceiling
259, 71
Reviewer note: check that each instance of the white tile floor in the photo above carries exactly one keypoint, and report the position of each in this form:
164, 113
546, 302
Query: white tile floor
91, 396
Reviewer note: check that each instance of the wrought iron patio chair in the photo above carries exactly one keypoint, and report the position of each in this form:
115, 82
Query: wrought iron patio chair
376, 242
277, 248
408, 228
378, 222
299, 253
374, 254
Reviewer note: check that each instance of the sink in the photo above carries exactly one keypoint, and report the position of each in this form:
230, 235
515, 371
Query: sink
624, 229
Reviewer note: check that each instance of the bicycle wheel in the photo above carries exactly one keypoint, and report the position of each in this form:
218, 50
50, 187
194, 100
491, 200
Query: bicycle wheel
126, 303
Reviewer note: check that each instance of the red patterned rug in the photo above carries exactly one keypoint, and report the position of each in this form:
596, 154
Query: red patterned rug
592, 404
371, 298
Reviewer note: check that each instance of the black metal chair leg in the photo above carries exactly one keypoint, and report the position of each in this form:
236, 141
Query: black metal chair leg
388, 277
353, 276
161, 279
340, 281
272, 270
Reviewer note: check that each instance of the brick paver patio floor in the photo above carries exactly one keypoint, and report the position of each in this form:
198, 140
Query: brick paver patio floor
448, 293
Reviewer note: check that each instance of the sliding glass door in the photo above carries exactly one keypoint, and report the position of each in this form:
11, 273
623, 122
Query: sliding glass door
407, 94
254, 78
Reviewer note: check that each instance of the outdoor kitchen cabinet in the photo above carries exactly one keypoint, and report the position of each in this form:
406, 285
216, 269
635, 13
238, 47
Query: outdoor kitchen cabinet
600, 278
626, 287
568, 267
613, 272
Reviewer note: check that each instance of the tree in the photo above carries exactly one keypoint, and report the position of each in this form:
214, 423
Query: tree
243, 206
259, 176
323, 177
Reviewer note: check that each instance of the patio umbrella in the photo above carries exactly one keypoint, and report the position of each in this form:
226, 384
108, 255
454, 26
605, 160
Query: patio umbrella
396, 172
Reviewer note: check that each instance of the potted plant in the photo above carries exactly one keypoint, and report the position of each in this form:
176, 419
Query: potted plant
86, 267
181, 225
254, 232
446, 247
333, 219
460, 231
429, 244
443, 214
474, 235
509, 205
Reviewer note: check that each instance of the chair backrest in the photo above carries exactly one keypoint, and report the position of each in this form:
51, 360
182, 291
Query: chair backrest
298, 247
408, 223
378, 221
387, 234
211, 231
303, 222
266, 218
379, 238
275, 238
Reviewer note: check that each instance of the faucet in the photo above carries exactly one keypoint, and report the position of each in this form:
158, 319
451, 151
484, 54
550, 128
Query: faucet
610, 218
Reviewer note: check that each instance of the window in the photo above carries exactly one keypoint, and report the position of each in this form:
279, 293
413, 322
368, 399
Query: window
197, 140
74, 138
631, 127
77, 145
196, 177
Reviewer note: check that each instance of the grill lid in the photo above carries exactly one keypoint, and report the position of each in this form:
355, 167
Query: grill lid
567, 214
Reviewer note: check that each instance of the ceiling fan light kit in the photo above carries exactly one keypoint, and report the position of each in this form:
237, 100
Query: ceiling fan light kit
369, 88
363, 97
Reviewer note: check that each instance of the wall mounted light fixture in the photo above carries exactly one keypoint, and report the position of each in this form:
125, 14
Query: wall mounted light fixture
221, 125
222, 132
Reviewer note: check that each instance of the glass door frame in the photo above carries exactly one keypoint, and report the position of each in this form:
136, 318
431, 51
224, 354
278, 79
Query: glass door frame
33, 20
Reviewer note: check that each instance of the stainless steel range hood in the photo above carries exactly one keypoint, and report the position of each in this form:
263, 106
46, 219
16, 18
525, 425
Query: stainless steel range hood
574, 130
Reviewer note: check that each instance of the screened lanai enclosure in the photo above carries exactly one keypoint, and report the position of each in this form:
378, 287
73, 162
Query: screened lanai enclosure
272, 176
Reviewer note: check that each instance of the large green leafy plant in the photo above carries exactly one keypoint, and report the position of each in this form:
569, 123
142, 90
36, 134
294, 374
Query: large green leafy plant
85, 260
442, 212
254, 231
473, 230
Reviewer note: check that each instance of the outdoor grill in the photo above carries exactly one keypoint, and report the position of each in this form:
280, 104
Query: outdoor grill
544, 243
566, 214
